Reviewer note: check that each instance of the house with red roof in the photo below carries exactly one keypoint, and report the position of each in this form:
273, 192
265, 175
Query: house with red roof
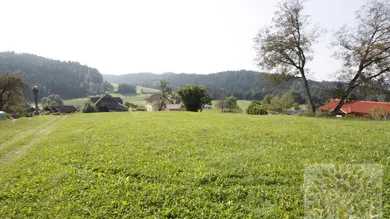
355, 108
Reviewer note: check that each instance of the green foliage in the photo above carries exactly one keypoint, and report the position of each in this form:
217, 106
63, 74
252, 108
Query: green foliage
17, 110
165, 95
256, 108
138, 108
177, 165
134, 107
90, 108
27, 114
127, 104
378, 113
11, 88
228, 105
194, 97
52, 100
296, 106
125, 88
279, 103
244, 85
67, 79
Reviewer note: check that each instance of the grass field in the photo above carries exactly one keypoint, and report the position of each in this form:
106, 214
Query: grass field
175, 164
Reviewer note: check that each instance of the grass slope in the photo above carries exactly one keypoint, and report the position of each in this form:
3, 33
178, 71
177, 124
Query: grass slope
175, 164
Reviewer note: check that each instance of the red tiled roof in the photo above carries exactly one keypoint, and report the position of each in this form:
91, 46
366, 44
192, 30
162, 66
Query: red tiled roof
355, 106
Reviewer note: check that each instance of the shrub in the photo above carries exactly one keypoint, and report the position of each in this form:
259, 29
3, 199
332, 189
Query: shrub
378, 113
45, 113
27, 114
140, 108
90, 108
255, 108
16, 111
229, 105
320, 114
52, 100
131, 105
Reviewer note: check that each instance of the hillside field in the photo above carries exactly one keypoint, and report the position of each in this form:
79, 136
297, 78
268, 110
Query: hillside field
175, 164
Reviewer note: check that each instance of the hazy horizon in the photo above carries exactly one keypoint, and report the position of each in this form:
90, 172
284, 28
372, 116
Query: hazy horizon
122, 37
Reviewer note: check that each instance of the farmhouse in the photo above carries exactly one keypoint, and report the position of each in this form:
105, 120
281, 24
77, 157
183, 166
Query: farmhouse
355, 108
108, 103
152, 103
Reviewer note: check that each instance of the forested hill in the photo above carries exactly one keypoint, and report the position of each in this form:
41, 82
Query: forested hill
242, 84
67, 79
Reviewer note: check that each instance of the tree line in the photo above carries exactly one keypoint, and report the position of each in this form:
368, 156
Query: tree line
249, 85
66, 79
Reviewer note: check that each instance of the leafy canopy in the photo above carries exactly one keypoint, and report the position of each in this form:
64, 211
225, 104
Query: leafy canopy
365, 49
194, 97
11, 90
285, 47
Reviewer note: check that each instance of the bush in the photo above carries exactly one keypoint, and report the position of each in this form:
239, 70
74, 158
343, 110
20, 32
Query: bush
90, 108
16, 111
46, 113
27, 114
228, 105
52, 100
131, 105
255, 108
378, 113
140, 108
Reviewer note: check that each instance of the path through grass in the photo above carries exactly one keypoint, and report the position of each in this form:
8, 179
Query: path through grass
175, 164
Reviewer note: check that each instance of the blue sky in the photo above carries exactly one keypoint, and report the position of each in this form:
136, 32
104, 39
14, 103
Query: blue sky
190, 36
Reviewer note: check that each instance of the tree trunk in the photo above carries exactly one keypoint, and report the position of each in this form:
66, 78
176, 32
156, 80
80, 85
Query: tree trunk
343, 98
161, 105
310, 99
352, 85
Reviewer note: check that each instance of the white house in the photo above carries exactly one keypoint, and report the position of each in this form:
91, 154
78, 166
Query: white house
153, 103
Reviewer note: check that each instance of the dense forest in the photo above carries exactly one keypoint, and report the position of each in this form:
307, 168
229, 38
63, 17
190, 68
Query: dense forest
67, 79
246, 85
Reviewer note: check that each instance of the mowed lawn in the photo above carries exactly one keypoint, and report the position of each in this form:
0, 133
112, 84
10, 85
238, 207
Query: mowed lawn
175, 164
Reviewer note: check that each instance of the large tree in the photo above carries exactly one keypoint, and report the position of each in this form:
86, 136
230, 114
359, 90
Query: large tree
165, 94
365, 49
194, 97
11, 88
52, 100
285, 47
229, 104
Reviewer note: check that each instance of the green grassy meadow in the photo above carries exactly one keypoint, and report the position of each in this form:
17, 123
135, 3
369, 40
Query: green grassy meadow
175, 164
